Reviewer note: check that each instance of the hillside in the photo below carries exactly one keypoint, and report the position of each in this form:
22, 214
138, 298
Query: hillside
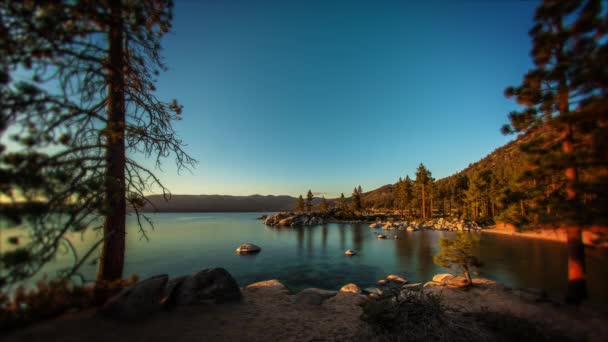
504, 163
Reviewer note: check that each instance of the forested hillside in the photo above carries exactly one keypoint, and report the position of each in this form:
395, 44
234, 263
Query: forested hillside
485, 189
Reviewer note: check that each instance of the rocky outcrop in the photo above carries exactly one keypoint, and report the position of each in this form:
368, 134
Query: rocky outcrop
439, 224
293, 219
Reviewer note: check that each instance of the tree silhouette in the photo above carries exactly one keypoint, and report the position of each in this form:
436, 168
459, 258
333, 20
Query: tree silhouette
87, 101
300, 204
457, 254
566, 102
309, 198
323, 208
356, 200
423, 177
342, 203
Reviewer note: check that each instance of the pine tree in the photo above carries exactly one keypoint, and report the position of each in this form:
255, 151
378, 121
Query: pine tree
398, 196
407, 189
89, 100
356, 201
323, 206
566, 99
342, 203
423, 176
300, 204
457, 254
309, 198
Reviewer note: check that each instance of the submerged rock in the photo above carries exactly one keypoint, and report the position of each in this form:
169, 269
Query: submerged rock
350, 252
381, 236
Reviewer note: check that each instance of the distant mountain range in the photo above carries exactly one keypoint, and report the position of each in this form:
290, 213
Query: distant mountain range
221, 203
501, 160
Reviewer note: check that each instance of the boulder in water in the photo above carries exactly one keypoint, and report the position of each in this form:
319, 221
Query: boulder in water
247, 248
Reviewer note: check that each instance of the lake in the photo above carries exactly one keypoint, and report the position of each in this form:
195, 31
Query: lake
183, 243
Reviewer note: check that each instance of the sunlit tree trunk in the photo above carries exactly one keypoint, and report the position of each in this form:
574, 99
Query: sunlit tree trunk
113, 250
423, 203
577, 283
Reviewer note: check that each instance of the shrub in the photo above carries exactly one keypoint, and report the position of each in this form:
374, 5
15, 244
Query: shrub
50, 299
417, 316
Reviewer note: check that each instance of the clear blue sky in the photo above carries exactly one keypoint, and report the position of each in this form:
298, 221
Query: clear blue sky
283, 96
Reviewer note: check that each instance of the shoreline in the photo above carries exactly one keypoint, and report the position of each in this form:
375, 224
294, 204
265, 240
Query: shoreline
268, 310
591, 237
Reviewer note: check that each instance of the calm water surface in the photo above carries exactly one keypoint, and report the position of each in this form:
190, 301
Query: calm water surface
183, 243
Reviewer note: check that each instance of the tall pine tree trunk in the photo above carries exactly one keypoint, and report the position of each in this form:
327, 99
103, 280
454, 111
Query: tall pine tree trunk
113, 250
577, 283
423, 203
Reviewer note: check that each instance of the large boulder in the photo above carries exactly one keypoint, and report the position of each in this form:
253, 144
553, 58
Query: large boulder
211, 285
137, 301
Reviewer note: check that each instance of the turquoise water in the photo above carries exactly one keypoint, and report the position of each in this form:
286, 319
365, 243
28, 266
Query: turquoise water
183, 243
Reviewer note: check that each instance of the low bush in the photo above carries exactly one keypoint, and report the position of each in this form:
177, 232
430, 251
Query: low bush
50, 299
417, 316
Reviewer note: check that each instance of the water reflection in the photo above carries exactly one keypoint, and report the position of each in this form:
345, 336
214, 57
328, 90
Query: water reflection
314, 256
